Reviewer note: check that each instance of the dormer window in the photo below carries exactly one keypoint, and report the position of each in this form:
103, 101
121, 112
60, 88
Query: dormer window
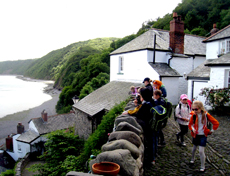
225, 46
121, 64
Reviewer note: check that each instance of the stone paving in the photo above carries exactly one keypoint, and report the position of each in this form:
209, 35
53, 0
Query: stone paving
173, 159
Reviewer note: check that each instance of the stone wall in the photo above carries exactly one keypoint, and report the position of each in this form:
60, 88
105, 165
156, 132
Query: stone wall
83, 124
21, 164
124, 147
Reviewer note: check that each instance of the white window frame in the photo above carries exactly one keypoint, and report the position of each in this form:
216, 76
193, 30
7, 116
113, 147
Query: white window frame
121, 64
227, 46
227, 78
224, 46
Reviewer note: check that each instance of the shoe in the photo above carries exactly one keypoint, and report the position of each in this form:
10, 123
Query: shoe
183, 144
202, 170
153, 162
177, 137
191, 162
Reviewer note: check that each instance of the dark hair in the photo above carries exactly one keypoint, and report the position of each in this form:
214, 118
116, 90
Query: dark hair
146, 94
157, 92
138, 98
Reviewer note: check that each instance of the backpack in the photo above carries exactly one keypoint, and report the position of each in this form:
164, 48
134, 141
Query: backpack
209, 124
175, 117
159, 115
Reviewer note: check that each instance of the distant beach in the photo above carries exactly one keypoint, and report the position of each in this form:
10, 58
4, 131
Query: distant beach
8, 124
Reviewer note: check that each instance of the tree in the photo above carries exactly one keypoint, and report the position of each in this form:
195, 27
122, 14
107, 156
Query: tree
60, 144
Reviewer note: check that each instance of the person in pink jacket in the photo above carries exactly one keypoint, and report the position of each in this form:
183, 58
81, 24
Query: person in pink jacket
199, 130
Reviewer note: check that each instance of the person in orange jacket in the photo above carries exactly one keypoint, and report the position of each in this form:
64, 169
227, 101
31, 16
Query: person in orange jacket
199, 130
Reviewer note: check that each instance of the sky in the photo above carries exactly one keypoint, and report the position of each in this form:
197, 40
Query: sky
32, 28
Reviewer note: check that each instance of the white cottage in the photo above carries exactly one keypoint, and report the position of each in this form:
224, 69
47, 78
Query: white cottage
160, 55
27, 141
215, 71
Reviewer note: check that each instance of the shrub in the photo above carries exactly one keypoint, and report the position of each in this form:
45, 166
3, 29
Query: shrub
95, 141
216, 97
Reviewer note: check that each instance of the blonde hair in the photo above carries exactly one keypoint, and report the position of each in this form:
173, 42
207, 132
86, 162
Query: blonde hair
200, 105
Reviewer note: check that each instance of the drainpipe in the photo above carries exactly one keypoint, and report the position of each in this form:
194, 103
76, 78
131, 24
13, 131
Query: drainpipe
170, 60
192, 90
154, 47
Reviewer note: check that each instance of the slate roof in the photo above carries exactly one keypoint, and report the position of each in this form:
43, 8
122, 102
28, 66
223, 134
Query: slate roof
201, 72
164, 70
221, 61
105, 97
56, 122
223, 33
192, 44
28, 136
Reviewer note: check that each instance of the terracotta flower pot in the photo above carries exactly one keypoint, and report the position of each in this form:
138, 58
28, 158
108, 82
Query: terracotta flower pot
106, 168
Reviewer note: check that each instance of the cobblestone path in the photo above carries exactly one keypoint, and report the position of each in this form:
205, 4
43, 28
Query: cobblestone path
173, 159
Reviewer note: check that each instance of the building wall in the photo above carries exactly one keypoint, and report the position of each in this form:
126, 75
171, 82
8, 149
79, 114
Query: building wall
32, 126
171, 85
183, 66
83, 125
160, 56
218, 77
136, 67
194, 89
16, 154
212, 50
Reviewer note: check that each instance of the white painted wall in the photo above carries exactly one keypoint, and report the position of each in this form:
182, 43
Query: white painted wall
171, 85
25, 148
197, 86
136, 67
212, 50
32, 126
198, 60
160, 56
218, 77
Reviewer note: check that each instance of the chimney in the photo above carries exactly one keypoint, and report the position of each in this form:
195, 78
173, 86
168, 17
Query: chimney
176, 34
20, 128
214, 30
44, 116
9, 143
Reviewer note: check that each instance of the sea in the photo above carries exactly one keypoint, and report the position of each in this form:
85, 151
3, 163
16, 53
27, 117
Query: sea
17, 95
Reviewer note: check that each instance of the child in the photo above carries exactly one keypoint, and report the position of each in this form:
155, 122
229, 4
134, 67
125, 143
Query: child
183, 116
133, 90
160, 86
199, 130
158, 100
143, 117
137, 102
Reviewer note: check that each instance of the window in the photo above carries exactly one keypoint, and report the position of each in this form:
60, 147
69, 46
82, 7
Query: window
227, 79
224, 46
121, 64
228, 46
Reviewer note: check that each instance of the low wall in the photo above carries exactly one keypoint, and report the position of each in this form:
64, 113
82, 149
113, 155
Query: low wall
21, 164
125, 147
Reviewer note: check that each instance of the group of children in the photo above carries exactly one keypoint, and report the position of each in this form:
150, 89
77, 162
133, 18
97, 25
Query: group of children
192, 116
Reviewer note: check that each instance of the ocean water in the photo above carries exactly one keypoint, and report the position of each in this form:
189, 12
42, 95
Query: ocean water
18, 95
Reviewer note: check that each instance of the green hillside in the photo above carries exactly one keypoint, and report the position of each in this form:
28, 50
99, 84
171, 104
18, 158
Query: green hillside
57, 62
15, 67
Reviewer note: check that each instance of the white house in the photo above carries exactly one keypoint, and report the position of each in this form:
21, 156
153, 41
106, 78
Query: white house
27, 141
160, 55
215, 71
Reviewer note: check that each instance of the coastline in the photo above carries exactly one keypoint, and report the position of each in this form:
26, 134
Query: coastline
8, 124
